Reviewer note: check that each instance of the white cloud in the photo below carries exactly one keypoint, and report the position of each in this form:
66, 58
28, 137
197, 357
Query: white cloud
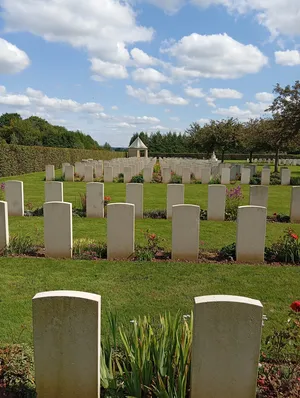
175, 118
194, 92
215, 56
169, 6
155, 98
141, 58
12, 59
253, 110
288, 57
108, 70
167, 110
203, 121
142, 119
114, 108
103, 28
264, 97
211, 102
149, 76
278, 16
159, 127
13, 99
225, 93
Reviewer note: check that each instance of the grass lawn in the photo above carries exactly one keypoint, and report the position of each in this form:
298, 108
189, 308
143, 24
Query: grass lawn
134, 289
141, 288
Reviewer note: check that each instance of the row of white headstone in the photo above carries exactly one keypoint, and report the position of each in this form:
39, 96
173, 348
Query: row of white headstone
285, 176
97, 168
58, 231
67, 345
288, 162
135, 195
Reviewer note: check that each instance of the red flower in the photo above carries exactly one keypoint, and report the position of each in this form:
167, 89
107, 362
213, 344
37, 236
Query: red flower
261, 381
274, 214
152, 236
295, 306
294, 236
107, 198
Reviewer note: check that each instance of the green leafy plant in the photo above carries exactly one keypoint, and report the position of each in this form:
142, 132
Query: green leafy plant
138, 179
286, 249
148, 252
275, 179
21, 244
156, 214
120, 178
215, 180
2, 191
228, 252
82, 197
176, 179
89, 249
295, 181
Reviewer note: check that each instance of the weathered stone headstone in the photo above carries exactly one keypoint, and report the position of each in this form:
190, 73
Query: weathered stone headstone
185, 232
69, 173
4, 232
135, 195
226, 347
285, 175
225, 176
98, 170
251, 234
186, 175
79, 169
205, 175
127, 174
216, 202
175, 196
58, 229
252, 169
245, 176
54, 191
147, 174
50, 172
95, 200
166, 175
265, 176
295, 205
258, 195
120, 230
66, 335
89, 173
108, 174
14, 195
64, 168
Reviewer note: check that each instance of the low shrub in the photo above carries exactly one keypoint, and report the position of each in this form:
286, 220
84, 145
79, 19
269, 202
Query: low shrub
151, 250
156, 214
295, 181
203, 214
88, 249
176, 179
275, 179
278, 217
120, 177
21, 245
228, 252
285, 250
156, 178
255, 181
137, 179
16, 372
215, 180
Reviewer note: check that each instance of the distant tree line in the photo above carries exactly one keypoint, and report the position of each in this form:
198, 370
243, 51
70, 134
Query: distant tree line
35, 131
278, 131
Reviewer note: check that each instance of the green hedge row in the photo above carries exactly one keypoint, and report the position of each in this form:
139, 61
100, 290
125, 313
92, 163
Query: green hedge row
228, 156
18, 159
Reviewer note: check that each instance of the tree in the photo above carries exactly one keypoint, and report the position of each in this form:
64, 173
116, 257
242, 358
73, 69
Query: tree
226, 133
201, 138
107, 146
253, 137
285, 124
6, 118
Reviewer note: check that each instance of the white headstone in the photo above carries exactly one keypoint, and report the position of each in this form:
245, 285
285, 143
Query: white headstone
14, 195
135, 195
226, 347
50, 172
259, 195
225, 176
95, 200
58, 230
295, 205
185, 232
265, 176
108, 174
120, 230
205, 175
216, 202
69, 173
186, 175
54, 191
4, 232
66, 335
245, 176
175, 196
89, 173
251, 234
285, 176
147, 174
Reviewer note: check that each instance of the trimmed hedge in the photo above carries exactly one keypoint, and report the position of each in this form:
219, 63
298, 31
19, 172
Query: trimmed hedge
18, 159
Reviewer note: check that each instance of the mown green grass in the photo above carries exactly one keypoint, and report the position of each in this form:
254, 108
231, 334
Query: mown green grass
133, 289
141, 288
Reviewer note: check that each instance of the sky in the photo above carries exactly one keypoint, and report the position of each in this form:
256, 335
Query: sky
112, 68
